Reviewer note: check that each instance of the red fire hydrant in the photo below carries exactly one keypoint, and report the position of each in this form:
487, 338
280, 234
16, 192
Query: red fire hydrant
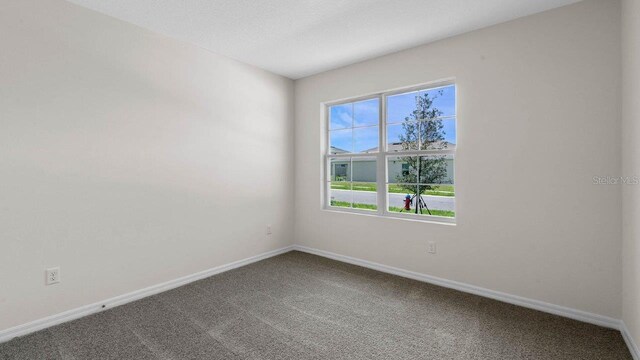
407, 202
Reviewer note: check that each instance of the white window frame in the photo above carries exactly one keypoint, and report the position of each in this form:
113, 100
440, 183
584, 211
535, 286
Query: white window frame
383, 154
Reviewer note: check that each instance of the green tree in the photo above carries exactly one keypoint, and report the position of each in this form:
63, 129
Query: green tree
423, 129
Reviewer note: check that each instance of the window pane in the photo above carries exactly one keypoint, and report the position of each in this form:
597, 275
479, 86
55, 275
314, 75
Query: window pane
402, 169
435, 169
340, 182
366, 112
424, 204
425, 104
340, 170
341, 141
438, 134
364, 169
400, 107
341, 195
449, 129
364, 187
435, 205
366, 139
364, 195
444, 100
341, 116
402, 137
397, 195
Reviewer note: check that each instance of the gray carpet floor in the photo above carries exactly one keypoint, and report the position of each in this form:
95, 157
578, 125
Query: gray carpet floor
300, 306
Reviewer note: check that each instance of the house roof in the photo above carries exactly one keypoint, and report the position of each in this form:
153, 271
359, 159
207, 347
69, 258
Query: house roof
397, 146
337, 150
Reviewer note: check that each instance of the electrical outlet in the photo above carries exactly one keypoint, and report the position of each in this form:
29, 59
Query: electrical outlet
431, 247
53, 275
268, 229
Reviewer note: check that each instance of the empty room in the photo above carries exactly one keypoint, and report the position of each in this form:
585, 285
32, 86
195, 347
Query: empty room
319, 179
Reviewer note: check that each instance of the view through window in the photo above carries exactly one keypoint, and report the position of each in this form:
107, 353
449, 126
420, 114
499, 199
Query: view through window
394, 153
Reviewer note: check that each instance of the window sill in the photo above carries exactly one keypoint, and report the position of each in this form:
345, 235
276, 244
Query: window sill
430, 219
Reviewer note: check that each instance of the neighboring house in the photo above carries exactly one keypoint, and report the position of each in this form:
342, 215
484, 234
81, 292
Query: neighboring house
336, 150
364, 170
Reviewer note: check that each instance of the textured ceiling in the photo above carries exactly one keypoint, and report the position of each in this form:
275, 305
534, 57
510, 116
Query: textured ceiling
297, 38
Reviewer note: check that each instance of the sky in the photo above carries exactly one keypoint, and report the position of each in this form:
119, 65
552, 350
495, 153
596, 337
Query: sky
354, 126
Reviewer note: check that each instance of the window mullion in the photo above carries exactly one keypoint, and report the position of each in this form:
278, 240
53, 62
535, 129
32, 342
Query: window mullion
349, 155
381, 158
327, 160
351, 180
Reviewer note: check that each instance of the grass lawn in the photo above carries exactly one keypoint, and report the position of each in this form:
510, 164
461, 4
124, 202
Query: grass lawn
435, 212
442, 190
355, 206
446, 213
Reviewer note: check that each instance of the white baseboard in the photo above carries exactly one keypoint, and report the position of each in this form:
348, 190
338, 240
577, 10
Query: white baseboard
496, 295
631, 344
20, 330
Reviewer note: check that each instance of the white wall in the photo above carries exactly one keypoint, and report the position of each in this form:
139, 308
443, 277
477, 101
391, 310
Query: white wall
538, 117
129, 159
631, 164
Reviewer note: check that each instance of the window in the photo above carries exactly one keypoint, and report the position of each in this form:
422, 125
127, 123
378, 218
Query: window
393, 154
